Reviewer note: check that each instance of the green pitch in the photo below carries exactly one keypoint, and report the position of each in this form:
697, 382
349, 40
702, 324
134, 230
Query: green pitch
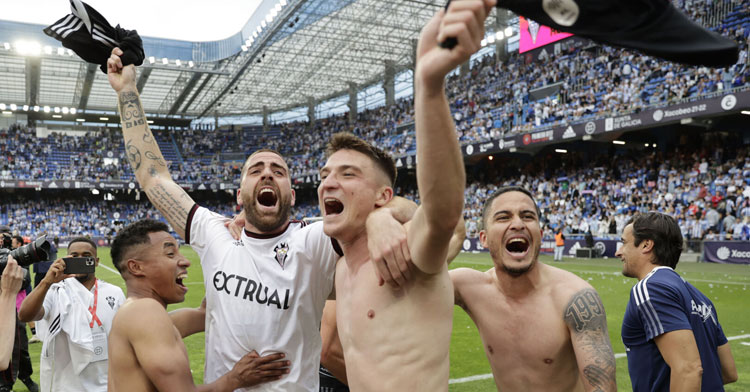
726, 285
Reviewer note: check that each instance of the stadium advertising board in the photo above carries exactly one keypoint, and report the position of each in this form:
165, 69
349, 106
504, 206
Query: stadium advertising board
534, 35
731, 102
727, 252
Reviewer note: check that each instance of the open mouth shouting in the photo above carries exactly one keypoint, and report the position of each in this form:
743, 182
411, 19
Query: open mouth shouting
517, 247
181, 281
267, 197
332, 206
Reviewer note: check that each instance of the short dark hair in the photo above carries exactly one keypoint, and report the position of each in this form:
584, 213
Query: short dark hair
82, 239
258, 151
347, 141
664, 231
132, 235
18, 239
505, 189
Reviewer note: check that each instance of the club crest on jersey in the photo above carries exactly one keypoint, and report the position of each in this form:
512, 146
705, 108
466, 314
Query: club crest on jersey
281, 250
111, 301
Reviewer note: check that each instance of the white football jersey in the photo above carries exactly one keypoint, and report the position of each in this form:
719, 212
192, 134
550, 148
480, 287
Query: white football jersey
264, 293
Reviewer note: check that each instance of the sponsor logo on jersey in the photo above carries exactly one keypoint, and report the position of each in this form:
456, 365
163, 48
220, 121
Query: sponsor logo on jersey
250, 290
703, 310
111, 301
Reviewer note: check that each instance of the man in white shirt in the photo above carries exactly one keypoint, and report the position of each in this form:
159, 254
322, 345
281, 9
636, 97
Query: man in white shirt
75, 315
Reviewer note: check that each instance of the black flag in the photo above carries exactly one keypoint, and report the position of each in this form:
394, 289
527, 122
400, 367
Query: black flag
90, 36
654, 27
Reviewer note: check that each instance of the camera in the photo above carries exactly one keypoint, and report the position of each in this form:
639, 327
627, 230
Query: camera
36, 251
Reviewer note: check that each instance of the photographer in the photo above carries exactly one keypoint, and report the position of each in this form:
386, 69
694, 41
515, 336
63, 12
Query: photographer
19, 366
75, 313
10, 284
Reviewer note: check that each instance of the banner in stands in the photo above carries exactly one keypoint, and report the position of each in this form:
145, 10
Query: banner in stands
603, 247
727, 252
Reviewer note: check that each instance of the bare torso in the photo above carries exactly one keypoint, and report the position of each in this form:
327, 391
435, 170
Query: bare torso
525, 337
394, 340
125, 371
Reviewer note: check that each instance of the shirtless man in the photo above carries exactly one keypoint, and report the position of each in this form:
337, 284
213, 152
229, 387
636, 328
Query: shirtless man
398, 339
145, 349
543, 329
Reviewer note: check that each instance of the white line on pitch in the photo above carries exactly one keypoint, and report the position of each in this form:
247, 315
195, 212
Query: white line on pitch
618, 355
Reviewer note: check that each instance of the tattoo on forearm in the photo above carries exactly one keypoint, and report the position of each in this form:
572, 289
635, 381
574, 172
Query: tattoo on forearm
154, 157
148, 138
131, 111
152, 171
134, 154
168, 205
587, 321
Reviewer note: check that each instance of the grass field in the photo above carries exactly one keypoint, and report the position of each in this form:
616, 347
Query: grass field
726, 285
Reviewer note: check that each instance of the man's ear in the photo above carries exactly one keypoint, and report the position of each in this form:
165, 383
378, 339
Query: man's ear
294, 197
135, 267
239, 197
384, 196
96, 261
646, 246
483, 238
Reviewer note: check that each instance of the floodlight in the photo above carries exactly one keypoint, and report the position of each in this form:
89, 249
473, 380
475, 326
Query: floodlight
561, 151
165, 61
57, 109
25, 108
508, 31
282, 2
244, 48
151, 60
263, 24
191, 64
13, 106
619, 142
73, 111
47, 49
2, 106
36, 108
46, 109
7, 46
484, 43
499, 35
491, 39
70, 52
65, 110
277, 8
178, 62
60, 51
28, 48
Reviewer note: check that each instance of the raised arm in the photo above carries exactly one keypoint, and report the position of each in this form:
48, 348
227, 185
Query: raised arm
144, 155
10, 284
440, 170
32, 308
587, 322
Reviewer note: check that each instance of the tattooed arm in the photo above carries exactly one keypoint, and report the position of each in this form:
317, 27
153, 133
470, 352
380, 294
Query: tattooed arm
143, 153
587, 322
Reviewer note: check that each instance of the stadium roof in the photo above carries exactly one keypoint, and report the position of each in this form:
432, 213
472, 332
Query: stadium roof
289, 53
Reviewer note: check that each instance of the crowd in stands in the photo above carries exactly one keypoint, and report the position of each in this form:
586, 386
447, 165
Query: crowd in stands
708, 193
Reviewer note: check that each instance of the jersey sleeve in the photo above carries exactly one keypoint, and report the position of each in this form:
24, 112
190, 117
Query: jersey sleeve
659, 306
324, 250
204, 227
721, 339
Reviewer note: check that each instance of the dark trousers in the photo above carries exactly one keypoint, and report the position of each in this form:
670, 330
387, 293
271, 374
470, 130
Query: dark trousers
20, 362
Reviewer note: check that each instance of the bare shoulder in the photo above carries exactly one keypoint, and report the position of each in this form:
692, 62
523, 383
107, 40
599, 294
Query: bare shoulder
464, 277
564, 285
141, 312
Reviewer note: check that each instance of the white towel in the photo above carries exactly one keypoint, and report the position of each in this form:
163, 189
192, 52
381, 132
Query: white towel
70, 313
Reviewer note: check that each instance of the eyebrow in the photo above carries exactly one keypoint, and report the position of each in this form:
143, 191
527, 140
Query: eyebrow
509, 212
261, 163
169, 245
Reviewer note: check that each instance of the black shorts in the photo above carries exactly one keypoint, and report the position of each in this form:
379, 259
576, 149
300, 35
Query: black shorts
329, 383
